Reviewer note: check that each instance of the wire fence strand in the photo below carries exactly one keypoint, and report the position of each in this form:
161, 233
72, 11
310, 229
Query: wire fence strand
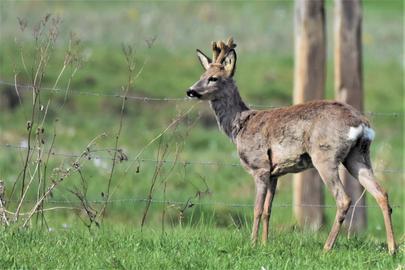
191, 203
165, 161
159, 99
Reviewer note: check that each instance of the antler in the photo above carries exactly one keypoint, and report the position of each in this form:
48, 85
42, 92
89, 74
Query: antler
220, 50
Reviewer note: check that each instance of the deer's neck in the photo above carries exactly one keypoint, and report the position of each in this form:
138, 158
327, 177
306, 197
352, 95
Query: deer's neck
227, 109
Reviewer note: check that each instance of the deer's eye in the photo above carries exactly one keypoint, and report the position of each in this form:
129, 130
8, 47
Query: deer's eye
212, 79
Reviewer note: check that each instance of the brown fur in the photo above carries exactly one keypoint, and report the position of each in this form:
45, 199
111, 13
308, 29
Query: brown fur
294, 128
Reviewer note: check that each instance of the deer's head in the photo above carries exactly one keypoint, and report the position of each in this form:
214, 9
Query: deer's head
218, 71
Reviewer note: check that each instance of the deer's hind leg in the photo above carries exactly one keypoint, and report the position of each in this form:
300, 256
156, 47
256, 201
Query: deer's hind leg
359, 165
328, 170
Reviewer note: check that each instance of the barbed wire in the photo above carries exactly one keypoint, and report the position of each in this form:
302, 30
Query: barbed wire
160, 99
166, 161
191, 203
97, 94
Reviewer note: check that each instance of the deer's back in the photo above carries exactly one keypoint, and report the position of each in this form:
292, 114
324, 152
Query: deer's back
293, 133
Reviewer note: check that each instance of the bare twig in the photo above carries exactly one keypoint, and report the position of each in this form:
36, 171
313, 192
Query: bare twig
173, 123
44, 174
153, 182
164, 207
63, 175
90, 212
29, 128
46, 210
25, 193
130, 59
18, 92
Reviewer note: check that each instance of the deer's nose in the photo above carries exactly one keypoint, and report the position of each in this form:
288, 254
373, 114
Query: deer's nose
193, 94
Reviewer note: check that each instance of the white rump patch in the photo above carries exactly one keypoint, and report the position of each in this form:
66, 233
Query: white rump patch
369, 133
355, 132
362, 130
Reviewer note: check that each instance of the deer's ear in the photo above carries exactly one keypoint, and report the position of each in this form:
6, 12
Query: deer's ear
229, 63
204, 60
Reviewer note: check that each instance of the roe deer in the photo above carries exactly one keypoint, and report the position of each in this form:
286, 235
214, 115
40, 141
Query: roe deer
270, 143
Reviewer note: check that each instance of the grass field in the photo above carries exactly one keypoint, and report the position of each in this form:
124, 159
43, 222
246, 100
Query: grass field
215, 230
188, 248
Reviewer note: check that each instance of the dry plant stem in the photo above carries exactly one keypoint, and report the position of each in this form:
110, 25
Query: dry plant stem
39, 202
69, 56
131, 67
90, 212
177, 153
67, 60
175, 121
3, 212
44, 174
44, 44
68, 87
36, 93
18, 93
352, 216
52, 93
117, 137
40, 141
29, 126
176, 156
189, 203
55, 183
164, 207
81, 195
18, 177
164, 181
182, 210
36, 82
65, 63
45, 210
158, 167
60, 75
23, 63
17, 212
42, 62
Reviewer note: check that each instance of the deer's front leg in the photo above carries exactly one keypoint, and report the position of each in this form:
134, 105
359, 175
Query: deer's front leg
261, 181
271, 191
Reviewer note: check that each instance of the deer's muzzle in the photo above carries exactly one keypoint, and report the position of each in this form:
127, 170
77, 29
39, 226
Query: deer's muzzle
193, 94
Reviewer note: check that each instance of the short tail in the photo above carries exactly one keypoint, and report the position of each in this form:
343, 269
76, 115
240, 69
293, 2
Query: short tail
362, 131
368, 133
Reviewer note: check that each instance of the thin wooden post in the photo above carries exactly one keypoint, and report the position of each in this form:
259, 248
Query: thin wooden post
309, 84
349, 87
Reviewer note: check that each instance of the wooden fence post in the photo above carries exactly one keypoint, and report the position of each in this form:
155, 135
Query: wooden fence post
309, 84
349, 87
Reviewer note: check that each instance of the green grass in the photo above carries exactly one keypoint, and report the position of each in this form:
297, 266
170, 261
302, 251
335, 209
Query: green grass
188, 248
